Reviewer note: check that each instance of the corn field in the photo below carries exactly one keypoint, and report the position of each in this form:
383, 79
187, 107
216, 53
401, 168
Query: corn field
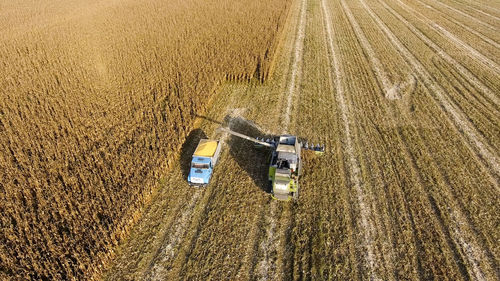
103, 104
96, 98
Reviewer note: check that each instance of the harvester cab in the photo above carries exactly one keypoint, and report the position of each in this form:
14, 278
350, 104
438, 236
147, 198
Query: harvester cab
285, 164
284, 169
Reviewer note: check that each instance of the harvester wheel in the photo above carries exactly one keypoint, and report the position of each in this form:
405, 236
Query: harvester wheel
296, 194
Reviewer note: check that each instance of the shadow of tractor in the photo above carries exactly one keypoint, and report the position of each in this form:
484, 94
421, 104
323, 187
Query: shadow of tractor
253, 160
188, 149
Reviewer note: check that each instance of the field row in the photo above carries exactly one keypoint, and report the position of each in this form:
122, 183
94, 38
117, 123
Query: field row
96, 99
405, 96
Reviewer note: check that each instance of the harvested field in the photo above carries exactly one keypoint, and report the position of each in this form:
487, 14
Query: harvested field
405, 95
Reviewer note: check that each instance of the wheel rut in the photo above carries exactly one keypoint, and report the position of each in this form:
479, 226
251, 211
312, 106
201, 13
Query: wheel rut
461, 69
266, 268
459, 120
353, 166
472, 138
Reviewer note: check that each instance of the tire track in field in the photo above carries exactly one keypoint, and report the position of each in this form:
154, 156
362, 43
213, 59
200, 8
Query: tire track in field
466, 6
460, 120
129, 260
460, 223
335, 137
484, 13
459, 43
251, 257
472, 247
466, 15
437, 219
464, 26
458, 116
461, 69
161, 265
457, 216
266, 268
167, 252
296, 67
482, 58
485, 6
353, 164
390, 92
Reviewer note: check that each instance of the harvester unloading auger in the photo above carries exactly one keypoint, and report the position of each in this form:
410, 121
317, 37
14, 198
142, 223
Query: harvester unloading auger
285, 164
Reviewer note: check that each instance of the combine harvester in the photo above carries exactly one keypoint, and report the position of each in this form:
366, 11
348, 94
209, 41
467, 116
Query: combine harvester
285, 164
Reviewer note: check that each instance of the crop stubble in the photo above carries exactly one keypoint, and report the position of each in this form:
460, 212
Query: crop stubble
435, 234
408, 187
394, 197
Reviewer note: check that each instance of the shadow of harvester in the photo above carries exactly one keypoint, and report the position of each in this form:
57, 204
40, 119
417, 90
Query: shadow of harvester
253, 160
